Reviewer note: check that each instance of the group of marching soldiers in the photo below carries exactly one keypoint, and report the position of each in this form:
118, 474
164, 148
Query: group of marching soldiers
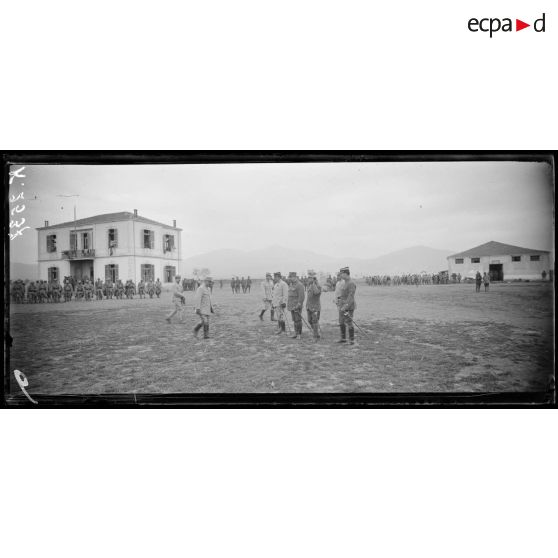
53, 291
280, 297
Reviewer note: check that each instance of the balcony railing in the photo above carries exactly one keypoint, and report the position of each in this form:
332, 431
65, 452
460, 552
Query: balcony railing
78, 254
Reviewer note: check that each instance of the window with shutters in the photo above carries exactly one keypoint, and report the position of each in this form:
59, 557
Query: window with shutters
73, 241
112, 239
53, 274
111, 272
458, 260
51, 243
148, 238
170, 272
516, 258
475, 260
535, 258
147, 272
168, 243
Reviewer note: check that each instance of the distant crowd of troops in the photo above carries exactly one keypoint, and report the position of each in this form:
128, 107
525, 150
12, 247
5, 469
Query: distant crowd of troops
72, 288
412, 279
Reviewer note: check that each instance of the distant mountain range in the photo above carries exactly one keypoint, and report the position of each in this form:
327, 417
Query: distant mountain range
225, 263
228, 262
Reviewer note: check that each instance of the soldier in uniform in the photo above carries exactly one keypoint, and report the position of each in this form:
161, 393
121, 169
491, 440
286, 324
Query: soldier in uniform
178, 299
267, 291
56, 291
158, 288
99, 289
68, 291
233, 284
32, 292
279, 298
347, 307
42, 291
313, 305
88, 288
150, 288
243, 284
248, 283
141, 288
295, 303
204, 307
79, 291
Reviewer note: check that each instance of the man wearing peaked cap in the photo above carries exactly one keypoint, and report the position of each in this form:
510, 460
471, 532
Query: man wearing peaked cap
295, 302
204, 307
279, 298
177, 299
313, 306
347, 306
267, 294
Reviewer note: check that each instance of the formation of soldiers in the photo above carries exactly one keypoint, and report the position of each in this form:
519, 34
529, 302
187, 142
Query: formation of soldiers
237, 284
77, 290
417, 279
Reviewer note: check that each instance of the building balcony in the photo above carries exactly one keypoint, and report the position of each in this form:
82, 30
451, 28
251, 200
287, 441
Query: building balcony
78, 254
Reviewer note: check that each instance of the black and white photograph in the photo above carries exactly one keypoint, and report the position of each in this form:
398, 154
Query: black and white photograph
391, 276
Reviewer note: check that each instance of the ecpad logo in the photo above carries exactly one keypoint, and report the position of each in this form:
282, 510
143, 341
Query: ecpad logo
493, 25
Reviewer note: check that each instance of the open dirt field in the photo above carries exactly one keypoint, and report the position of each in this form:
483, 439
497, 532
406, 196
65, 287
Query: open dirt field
442, 338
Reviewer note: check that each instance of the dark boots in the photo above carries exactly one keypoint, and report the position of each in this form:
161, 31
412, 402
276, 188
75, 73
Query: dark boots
272, 315
206, 331
343, 329
351, 336
197, 328
261, 314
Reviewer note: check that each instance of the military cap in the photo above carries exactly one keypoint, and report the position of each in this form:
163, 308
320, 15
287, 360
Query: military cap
177, 277
292, 274
277, 274
311, 273
268, 274
344, 270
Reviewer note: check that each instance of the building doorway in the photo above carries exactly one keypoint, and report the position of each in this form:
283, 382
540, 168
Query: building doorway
496, 272
82, 270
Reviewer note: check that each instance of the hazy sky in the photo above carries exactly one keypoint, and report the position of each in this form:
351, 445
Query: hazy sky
338, 209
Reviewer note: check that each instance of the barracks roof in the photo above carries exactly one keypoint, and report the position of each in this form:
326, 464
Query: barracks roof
108, 218
493, 248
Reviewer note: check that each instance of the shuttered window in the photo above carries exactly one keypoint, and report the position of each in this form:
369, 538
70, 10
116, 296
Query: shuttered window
53, 274
51, 243
148, 238
113, 238
170, 272
168, 243
147, 272
111, 272
73, 241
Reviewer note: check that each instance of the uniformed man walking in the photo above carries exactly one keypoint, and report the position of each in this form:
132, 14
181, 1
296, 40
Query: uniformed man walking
204, 307
347, 307
279, 298
177, 298
295, 303
313, 305
267, 294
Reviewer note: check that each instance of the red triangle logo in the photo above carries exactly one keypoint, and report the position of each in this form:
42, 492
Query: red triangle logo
519, 25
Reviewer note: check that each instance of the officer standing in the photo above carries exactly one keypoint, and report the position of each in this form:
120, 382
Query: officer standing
295, 303
347, 307
177, 298
204, 307
267, 290
279, 298
313, 305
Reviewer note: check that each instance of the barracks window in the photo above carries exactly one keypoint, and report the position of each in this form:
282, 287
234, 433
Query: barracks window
535, 258
168, 243
475, 260
112, 238
147, 272
148, 238
53, 274
458, 260
516, 258
170, 272
51, 243
111, 273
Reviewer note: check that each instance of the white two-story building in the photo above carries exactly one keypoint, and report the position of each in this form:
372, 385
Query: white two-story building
502, 262
110, 246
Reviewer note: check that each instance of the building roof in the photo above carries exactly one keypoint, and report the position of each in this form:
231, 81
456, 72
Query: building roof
108, 218
493, 248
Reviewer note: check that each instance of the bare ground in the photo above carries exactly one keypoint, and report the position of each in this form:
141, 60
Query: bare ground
442, 338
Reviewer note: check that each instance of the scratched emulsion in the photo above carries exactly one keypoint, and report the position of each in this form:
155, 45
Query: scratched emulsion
431, 338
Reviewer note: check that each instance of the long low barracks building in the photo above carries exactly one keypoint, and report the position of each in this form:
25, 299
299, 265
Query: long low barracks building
502, 262
111, 246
